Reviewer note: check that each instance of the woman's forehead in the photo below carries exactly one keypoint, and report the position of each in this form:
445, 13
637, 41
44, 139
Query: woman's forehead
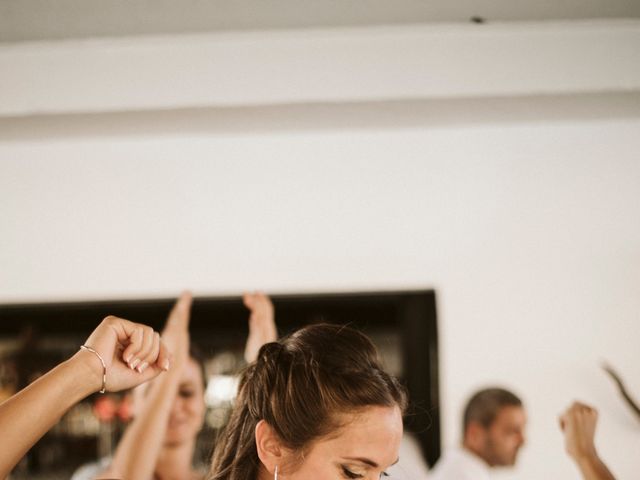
373, 433
191, 373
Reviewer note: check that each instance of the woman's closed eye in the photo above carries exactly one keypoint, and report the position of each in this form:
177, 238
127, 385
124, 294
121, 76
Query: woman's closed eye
186, 393
349, 474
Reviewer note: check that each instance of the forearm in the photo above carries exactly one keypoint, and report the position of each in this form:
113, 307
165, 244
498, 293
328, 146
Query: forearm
29, 414
592, 468
138, 451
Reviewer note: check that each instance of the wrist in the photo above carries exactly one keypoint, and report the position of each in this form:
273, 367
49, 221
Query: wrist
89, 370
586, 458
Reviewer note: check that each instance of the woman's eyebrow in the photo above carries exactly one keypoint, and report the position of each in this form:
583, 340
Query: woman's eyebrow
367, 461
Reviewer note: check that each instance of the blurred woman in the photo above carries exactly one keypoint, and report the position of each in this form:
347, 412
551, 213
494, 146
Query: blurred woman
160, 442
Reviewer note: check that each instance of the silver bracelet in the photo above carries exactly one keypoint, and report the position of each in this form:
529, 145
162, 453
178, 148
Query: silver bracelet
104, 367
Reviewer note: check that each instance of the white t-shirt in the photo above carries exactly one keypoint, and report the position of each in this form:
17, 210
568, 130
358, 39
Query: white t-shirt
460, 464
89, 471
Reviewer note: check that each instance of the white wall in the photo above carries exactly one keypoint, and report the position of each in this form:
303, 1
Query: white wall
528, 232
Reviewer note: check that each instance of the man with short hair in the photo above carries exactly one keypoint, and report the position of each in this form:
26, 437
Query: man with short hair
493, 432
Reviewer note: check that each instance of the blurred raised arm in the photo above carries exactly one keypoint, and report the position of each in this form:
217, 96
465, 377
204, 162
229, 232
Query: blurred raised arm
150, 423
578, 423
262, 325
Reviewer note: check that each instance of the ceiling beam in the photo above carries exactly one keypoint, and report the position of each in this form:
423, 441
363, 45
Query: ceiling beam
319, 66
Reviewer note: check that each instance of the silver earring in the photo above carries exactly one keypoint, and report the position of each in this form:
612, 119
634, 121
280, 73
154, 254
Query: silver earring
275, 474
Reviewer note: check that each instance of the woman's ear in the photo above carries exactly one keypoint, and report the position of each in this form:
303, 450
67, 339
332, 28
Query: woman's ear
270, 450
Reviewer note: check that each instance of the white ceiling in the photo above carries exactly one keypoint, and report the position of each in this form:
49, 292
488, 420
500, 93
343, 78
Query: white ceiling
35, 20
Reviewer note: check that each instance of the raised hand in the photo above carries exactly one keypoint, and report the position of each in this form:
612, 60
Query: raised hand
262, 325
149, 427
133, 353
578, 424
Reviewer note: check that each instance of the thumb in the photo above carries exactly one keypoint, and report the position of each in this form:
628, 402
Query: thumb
561, 422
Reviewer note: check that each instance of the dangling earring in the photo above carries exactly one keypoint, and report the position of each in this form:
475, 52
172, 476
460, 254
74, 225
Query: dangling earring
275, 474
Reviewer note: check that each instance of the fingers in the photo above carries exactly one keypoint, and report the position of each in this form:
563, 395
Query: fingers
152, 371
261, 313
578, 415
582, 410
139, 358
248, 300
158, 358
141, 343
149, 352
115, 334
136, 340
580, 406
257, 301
157, 364
123, 329
179, 315
262, 327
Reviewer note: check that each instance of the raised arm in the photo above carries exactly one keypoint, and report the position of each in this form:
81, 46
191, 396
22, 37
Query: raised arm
578, 424
138, 451
262, 325
30, 413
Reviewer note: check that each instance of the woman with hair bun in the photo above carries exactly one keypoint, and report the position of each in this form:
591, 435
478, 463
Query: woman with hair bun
314, 405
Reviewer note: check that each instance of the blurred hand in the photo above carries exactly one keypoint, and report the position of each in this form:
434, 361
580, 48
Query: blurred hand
578, 424
262, 325
132, 352
176, 330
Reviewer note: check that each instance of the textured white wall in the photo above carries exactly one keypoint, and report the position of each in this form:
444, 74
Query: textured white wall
529, 234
